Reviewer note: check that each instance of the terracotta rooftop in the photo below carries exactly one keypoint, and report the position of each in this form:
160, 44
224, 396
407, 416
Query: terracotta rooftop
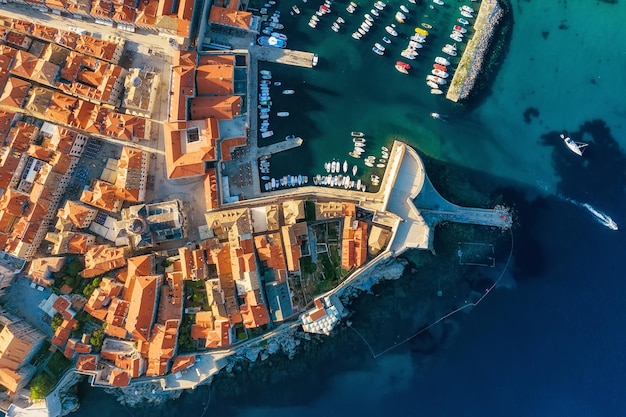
218, 107
141, 293
14, 93
230, 17
215, 79
101, 259
188, 146
182, 362
87, 362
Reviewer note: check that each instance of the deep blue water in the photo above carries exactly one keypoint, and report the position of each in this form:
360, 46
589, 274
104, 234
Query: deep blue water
550, 345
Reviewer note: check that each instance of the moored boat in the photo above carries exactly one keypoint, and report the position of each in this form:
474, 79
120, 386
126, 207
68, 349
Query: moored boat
378, 51
288, 92
386, 39
354, 170
282, 114
265, 178
400, 17
459, 29
354, 154
375, 12
272, 41
440, 67
345, 166
391, 31
427, 26
456, 36
439, 73
462, 21
402, 67
357, 35
357, 134
466, 8
280, 36
408, 54
315, 60
404, 8
432, 84
442, 61
436, 79
435, 91
439, 2
421, 31
466, 14
379, 46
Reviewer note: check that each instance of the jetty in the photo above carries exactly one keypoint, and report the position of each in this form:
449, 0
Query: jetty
471, 62
283, 56
281, 146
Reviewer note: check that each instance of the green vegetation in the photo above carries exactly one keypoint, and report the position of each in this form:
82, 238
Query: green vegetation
306, 265
69, 275
96, 339
331, 279
58, 364
240, 332
166, 262
41, 385
185, 342
309, 211
56, 322
90, 288
41, 355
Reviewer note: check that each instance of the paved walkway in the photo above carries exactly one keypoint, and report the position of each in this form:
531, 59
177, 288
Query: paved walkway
283, 56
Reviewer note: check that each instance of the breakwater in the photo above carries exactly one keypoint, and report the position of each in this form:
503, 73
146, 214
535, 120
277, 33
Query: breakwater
470, 65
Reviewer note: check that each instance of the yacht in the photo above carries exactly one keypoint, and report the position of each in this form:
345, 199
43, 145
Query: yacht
404, 8
369, 18
345, 166
375, 12
576, 147
432, 84
466, 14
408, 54
400, 17
466, 8
379, 46
435, 91
455, 36
462, 21
442, 61
440, 67
354, 170
354, 154
357, 134
357, 35
439, 73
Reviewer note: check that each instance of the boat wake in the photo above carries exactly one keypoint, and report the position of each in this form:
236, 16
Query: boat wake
601, 217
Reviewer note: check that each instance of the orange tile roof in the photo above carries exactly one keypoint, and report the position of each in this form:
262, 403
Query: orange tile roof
44, 32
76, 212
146, 12
141, 292
227, 144
185, 58
124, 126
123, 13
218, 107
182, 362
87, 363
10, 380
119, 378
254, 313
162, 347
142, 265
100, 259
182, 87
79, 243
14, 93
210, 189
104, 196
215, 79
29, 66
115, 331
63, 332
185, 159
229, 17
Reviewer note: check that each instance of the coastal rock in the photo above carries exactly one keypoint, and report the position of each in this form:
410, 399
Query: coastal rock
140, 394
389, 269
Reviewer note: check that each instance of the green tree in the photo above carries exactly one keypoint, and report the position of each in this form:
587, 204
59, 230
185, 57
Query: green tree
57, 320
91, 287
96, 339
41, 385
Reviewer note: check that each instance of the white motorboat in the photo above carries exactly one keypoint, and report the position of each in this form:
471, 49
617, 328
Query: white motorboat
354, 170
280, 36
378, 51
466, 8
290, 137
384, 149
375, 12
379, 5
415, 45
432, 84
455, 36
369, 164
265, 72
386, 39
442, 61
439, 2
288, 92
466, 14
345, 166
327, 166
265, 178
462, 21
379, 46
354, 154
436, 79
391, 31
315, 60
439, 73
312, 23
335, 28
369, 18
577, 147
435, 91
408, 54
400, 17
357, 35
357, 135
361, 31
601, 217
404, 8
282, 114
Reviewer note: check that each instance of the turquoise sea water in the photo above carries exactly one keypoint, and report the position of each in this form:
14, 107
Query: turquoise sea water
548, 344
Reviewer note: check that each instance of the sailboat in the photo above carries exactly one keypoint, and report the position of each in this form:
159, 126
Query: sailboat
576, 147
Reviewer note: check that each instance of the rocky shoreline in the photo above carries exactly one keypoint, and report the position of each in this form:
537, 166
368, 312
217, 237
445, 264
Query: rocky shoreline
286, 342
470, 65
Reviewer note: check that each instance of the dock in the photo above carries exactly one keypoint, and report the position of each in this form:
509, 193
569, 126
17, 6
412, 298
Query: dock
282, 56
281, 146
471, 61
